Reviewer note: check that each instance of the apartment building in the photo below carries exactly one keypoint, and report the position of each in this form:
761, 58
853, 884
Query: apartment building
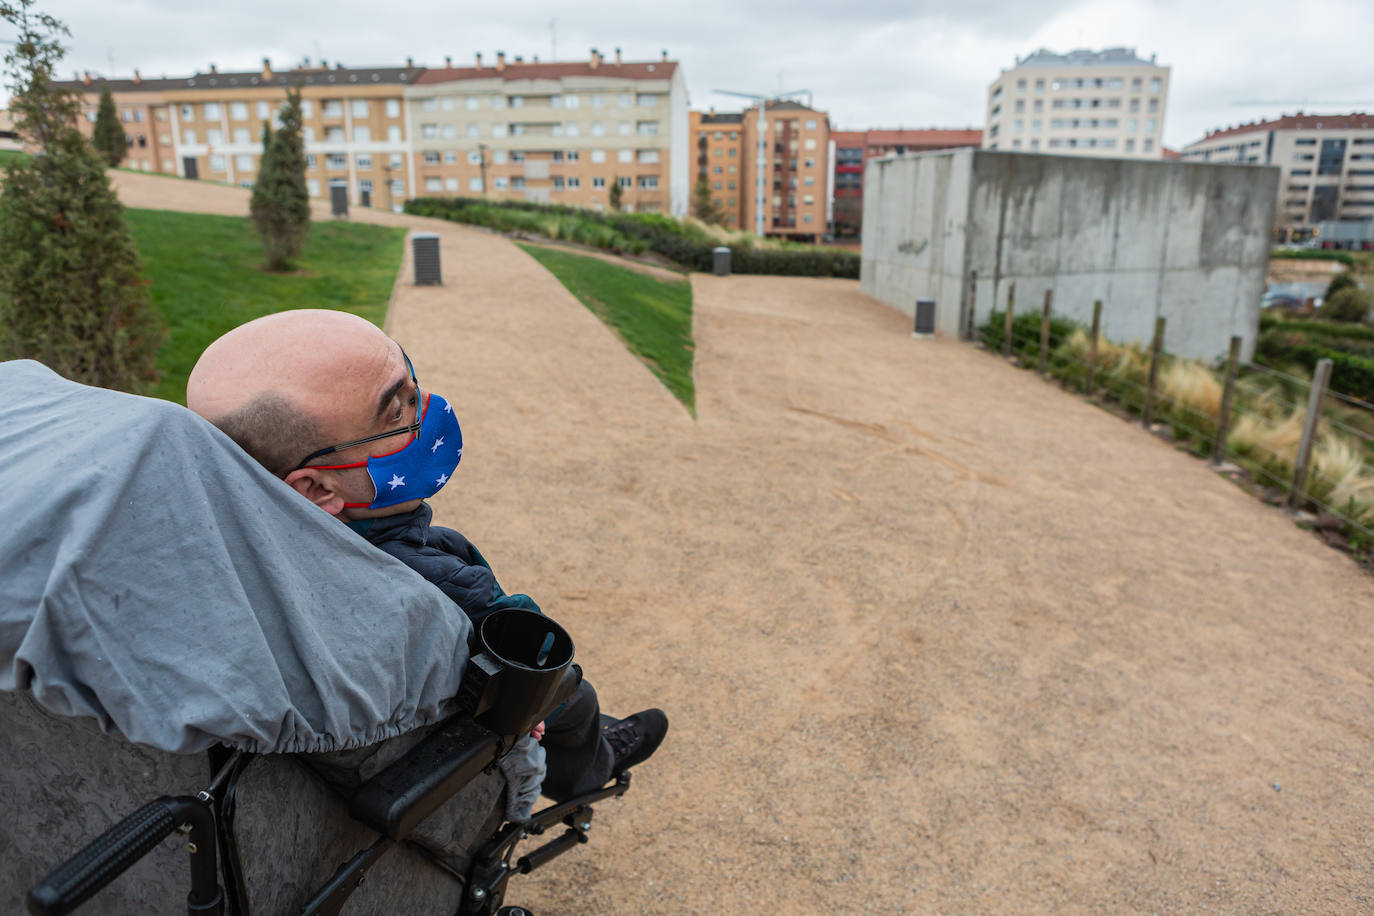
718, 156
793, 187
853, 149
553, 132
209, 125
1083, 103
1326, 163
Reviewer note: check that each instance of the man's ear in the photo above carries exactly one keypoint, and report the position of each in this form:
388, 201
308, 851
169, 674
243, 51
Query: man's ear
318, 487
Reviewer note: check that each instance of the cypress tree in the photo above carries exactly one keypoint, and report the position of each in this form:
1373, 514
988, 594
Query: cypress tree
617, 194
109, 136
703, 203
71, 294
281, 202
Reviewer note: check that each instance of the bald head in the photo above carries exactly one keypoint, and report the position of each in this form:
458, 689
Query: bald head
285, 385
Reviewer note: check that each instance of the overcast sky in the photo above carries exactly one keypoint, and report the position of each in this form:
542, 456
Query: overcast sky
869, 63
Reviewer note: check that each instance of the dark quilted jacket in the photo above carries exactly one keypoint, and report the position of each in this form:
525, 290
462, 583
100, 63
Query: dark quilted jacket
444, 557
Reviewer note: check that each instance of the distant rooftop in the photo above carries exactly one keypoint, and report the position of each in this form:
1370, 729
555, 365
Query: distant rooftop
1082, 57
727, 118
1358, 120
336, 74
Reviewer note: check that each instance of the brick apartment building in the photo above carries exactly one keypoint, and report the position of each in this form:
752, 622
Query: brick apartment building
853, 149
718, 156
557, 132
794, 187
1326, 163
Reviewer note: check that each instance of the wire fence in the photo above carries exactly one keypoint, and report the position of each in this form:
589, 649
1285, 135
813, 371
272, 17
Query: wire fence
1258, 418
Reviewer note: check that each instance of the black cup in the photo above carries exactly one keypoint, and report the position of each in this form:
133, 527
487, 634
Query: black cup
532, 667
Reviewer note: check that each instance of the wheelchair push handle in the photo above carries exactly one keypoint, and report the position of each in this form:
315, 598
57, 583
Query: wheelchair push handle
116, 850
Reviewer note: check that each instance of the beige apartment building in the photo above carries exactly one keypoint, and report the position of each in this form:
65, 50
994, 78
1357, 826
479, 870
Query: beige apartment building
795, 188
1326, 163
1084, 103
558, 133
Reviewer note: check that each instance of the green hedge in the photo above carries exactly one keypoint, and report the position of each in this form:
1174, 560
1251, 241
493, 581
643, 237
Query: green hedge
1350, 374
1025, 332
636, 232
1314, 254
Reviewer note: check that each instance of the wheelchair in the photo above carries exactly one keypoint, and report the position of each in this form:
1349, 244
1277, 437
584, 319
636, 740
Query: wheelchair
414, 824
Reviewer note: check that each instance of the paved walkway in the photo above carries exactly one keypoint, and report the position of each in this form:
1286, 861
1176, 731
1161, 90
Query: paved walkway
934, 636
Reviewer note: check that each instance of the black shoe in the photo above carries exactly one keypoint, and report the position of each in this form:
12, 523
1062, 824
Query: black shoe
634, 739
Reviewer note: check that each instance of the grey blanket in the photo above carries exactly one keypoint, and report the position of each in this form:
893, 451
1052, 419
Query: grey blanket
155, 578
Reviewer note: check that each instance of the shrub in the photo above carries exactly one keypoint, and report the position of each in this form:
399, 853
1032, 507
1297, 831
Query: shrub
1345, 280
1025, 333
1350, 374
1349, 303
280, 204
108, 136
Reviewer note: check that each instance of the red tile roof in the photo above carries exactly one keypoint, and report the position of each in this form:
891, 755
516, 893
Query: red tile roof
1298, 121
933, 138
647, 70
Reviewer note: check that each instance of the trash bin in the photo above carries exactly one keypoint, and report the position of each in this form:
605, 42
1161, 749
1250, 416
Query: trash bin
425, 247
721, 260
338, 200
925, 318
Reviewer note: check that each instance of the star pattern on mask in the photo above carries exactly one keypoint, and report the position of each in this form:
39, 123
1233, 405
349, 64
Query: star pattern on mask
443, 479
397, 481
436, 445
448, 408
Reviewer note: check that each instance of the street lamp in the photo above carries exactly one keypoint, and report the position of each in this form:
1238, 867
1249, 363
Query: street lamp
760, 185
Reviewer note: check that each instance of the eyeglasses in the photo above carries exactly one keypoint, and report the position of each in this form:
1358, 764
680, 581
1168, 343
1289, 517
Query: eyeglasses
413, 428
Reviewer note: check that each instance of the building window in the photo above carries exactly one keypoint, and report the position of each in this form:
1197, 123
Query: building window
598, 182
570, 129
393, 134
648, 155
358, 108
498, 130
450, 184
1155, 83
625, 181
307, 108
597, 100
516, 101
427, 104
242, 136
213, 136
809, 144
625, 128
243, 163
334, 134
598, 155
1130, 144
312, 187
238, 111
572, 100
450, 131
332, 108
434, 184
364, 160
1150, 125
598, 129
1035, 125
188, 137
212, 111
807, 217
1154, 106
217, 163
1147, 145
647, 100
716, 185
498, 157
1020, 85
628, 155
573, 155
498, 102
558, 182
393, 108
499, 182
517, 156
362, 135
1131, 125
627, 99
1018, 125
397, 161
335, 161
429, 131
432, 157
474, 131
574, 182
517, 183
475, 184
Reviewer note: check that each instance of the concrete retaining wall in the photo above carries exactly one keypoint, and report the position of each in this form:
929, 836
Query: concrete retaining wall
1188, 241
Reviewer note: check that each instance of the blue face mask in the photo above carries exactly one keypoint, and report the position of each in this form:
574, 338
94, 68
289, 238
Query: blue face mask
419, 469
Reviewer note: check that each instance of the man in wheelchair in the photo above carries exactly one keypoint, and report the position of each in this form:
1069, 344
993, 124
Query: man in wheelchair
174, 619
331, 405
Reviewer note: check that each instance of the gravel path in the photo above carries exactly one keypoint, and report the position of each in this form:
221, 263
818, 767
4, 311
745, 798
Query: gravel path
934, 636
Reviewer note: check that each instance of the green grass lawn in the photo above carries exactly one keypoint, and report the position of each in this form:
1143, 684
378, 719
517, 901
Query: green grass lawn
205, 277
9, 155
652, 316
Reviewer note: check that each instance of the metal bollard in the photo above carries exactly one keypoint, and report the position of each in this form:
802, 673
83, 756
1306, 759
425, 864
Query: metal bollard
425, 248
720, 258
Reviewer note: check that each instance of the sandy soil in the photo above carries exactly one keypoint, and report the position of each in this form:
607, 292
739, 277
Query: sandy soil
934, 636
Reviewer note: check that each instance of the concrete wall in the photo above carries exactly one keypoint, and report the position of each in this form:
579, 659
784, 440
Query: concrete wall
1186, 241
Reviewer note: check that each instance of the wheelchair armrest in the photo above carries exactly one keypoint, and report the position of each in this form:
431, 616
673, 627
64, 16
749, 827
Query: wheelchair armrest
403, 794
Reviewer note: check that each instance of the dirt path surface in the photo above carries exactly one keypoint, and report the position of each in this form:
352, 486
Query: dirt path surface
934, 636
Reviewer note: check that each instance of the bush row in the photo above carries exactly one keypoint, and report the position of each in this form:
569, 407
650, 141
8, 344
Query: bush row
1350, 374
634, 233
1314, 254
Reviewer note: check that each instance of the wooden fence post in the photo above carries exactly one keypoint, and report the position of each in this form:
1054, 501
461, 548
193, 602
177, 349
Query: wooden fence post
1320, 378
1011, 304
1092, 348
970, 322
1224, 417
1158, 344
1045, 331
